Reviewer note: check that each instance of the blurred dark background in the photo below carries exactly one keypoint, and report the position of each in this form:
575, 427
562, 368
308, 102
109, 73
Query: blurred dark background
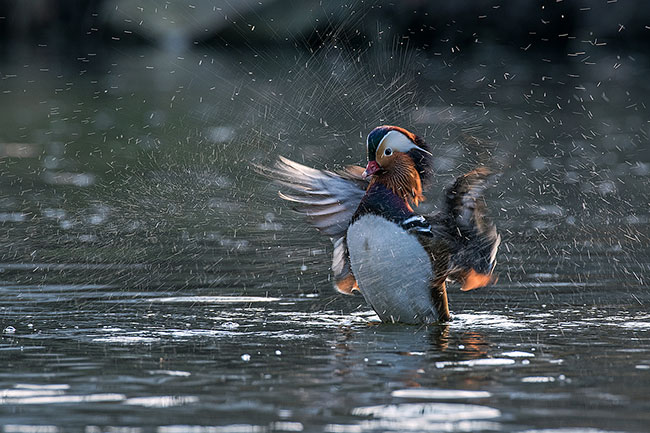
436, 25
114, 113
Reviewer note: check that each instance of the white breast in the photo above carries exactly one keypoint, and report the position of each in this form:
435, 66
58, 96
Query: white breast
392, 269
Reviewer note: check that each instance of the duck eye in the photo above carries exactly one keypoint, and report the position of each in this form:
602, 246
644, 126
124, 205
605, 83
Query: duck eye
388, 151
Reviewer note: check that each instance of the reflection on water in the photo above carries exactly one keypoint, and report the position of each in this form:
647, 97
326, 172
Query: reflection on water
427, 417
270, 360
150, 281
439, 394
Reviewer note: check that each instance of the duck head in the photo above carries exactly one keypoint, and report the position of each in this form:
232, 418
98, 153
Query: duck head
400, 160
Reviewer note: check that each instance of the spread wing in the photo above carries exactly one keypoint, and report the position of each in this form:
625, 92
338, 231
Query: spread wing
328, 200
473, 239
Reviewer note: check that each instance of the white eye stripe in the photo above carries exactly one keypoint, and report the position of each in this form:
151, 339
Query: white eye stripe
398, 142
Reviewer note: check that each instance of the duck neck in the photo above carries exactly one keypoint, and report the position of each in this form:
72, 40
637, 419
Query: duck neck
403, 179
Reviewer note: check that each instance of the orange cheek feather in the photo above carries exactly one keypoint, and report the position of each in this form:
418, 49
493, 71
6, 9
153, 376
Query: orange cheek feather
402, 177
474, 280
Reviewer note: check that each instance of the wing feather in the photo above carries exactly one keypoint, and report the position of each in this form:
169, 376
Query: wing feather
328, 201
474, 239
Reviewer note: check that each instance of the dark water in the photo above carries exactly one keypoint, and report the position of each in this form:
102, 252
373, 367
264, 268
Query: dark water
150, 280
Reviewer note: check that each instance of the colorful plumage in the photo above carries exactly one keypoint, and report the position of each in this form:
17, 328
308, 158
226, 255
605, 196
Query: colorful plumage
398, 260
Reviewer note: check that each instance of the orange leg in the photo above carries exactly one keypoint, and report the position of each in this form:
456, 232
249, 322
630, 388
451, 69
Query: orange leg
439, 295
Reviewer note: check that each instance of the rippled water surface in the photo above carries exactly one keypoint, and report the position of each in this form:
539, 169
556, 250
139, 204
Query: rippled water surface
150, 279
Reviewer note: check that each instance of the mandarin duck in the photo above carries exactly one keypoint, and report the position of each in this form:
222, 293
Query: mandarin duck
398, 259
